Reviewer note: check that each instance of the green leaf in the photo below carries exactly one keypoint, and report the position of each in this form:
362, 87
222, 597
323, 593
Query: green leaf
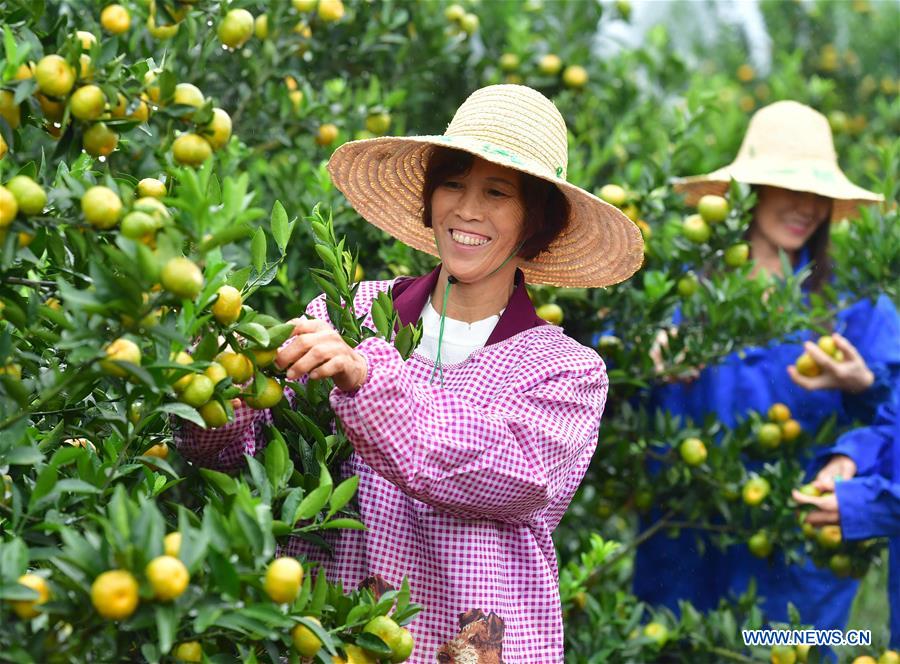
373, 644
13, 559
276, 461
327, 256
74, 486
183, 411
343, 494
255, 332
289, 506
279, 334
260, 478
231, 233
380, 319
313, 503
319, 594
224, 575
239, 278
225, 483
14, 591
344, 524
23, 456
166, 626
324, 475
206, 616
258, 249
281, 229
118, 512
45, 482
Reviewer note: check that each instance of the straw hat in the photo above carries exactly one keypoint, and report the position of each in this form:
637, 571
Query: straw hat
787, 145
509, 125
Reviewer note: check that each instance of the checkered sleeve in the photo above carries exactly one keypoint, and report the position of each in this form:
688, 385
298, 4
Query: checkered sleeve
223, 448
503, 460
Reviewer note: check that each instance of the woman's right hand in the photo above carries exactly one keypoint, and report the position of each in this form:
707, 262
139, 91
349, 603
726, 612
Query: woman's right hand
849, 375
840, 467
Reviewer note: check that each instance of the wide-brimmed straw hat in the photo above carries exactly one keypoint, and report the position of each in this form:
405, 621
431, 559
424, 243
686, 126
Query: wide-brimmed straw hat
787, 145
513, 126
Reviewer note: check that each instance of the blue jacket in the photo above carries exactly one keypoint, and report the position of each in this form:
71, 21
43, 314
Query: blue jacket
752, 380
869, 503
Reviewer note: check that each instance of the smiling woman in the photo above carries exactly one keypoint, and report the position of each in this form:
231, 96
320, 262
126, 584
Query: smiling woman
793, 222
545, 210
483, 214
463, 481
788, 157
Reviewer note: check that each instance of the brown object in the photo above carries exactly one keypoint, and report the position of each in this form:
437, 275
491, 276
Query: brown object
480, 640
787, 145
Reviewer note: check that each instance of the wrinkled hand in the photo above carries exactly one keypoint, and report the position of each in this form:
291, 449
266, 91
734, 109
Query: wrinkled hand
839, 466
826, 512
852, 375
315, 348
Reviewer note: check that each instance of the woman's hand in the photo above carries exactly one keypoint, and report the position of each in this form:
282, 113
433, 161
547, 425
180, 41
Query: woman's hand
661, 346
318, 350
840, 467
851, 375
826, 512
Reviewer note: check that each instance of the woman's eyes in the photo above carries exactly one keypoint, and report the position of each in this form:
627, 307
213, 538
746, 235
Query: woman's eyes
494, 193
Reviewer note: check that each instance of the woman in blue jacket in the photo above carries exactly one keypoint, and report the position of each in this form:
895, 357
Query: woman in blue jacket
862, 480
788, 156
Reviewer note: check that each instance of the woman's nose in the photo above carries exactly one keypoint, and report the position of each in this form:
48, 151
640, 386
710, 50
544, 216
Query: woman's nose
470, 204
806, 202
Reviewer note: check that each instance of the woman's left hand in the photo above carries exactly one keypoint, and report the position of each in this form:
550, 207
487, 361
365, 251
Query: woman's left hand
826, 512
850, 375
318, 350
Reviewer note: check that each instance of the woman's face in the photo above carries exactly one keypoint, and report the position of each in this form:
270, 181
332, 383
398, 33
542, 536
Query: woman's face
787, 219
477, 219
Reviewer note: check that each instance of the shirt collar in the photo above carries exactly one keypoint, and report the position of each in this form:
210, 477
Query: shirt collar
411, 293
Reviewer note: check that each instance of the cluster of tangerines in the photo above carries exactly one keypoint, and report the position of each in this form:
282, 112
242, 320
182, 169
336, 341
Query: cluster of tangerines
21, 197
378, 120
115, 595
697, 228
806, 364
781, 428
549, 64
66, 88
625, 200
196, 383
887, 657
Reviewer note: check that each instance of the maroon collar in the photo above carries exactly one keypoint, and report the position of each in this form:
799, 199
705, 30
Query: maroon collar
411, 293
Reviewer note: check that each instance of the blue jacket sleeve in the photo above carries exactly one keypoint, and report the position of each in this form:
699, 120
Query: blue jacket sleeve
869, 507
869, 447
874, 328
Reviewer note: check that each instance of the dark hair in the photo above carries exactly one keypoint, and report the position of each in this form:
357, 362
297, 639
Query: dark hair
546, 208
817, 246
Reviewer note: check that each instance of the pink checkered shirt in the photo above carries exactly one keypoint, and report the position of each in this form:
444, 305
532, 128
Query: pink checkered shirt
460, 486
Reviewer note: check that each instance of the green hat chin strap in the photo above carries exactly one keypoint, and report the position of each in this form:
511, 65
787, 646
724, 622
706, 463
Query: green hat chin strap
450, 281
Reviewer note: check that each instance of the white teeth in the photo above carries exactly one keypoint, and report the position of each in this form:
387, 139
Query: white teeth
462, 238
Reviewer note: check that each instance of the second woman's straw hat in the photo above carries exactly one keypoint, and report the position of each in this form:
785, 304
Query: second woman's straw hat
787, 145
510, 125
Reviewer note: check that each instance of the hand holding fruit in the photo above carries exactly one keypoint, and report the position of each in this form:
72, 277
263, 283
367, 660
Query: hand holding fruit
318, 350
833, 363
826, 508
